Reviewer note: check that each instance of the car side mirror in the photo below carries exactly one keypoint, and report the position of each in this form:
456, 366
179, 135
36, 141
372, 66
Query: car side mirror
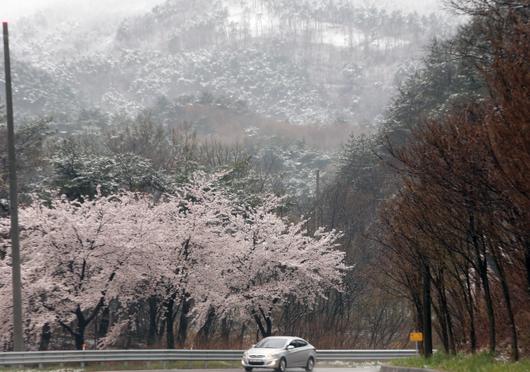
290, 347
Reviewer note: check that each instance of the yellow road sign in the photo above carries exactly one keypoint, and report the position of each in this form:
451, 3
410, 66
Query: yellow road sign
416, 336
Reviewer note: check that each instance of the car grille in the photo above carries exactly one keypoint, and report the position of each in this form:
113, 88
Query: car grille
256, 356
256, 363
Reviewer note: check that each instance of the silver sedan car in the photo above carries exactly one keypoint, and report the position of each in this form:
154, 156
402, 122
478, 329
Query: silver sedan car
280, 353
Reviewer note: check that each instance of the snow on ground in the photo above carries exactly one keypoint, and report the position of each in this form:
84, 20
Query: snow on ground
260, 21
257, 17
388, 43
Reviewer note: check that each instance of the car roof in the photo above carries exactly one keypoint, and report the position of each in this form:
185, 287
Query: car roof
290, 338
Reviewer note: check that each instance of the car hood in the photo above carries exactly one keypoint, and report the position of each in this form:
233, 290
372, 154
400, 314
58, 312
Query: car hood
264, 351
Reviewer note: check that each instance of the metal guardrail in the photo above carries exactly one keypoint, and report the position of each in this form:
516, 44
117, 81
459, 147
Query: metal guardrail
86, 356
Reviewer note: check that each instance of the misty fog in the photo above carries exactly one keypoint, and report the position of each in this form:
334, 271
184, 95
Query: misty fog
14, 9
267, 167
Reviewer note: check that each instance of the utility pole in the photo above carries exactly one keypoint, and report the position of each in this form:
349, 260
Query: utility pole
13, 202
317, 201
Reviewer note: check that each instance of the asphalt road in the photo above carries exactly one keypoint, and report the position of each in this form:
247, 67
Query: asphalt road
317, 369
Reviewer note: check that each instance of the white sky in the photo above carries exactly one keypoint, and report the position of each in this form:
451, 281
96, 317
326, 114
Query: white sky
11, 10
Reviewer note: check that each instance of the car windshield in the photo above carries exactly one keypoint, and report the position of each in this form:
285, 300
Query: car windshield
272, 343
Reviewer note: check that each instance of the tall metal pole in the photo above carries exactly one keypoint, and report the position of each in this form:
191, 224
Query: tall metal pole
317, 201
13, 202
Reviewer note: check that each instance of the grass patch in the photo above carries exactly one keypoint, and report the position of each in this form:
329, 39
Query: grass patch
482, 362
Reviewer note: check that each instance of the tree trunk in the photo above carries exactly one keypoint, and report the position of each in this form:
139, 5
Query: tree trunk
447, 317
242, 336
468, 296
184, 320
82, 323
441, 309
264, 322
441, 330
225, 331
268, 321
80, 339
451, 334
45, 337
482, 267
206, 330
415, 296
483, 272
527, 263
152, 331
170, 333
509, 309
104, 323
79, 336
427, 317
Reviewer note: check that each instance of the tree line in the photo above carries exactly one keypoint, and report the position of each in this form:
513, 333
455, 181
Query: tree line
460, 219
197, 253
440, 196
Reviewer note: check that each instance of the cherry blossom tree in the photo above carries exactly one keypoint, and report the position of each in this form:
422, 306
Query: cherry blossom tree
238, 261
195, 250
78, 256
273, 261
191, 220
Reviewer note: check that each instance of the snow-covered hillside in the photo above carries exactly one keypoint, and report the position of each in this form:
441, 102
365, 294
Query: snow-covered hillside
302, 61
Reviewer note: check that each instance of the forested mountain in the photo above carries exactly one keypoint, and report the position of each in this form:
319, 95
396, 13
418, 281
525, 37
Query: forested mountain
303, 62
284, 81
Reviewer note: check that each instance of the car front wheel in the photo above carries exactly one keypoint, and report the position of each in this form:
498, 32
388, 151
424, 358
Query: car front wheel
282, 366
310, 364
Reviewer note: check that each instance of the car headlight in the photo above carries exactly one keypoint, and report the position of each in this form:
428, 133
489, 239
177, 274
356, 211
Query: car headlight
275, 356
